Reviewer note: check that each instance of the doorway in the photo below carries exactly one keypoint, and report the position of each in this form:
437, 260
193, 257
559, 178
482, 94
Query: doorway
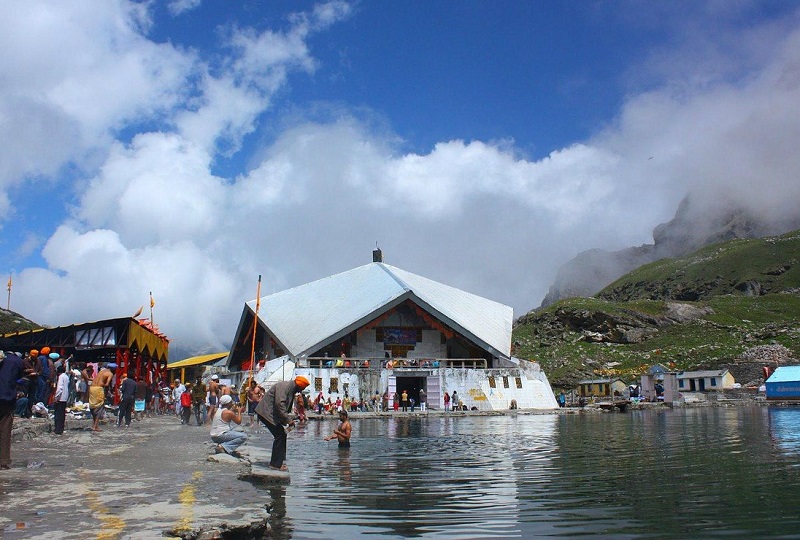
412, 386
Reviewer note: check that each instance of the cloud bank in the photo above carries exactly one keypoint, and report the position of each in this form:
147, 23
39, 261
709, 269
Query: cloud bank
143, 127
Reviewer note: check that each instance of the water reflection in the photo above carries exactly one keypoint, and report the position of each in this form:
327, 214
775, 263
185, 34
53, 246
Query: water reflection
784, 427
646, 474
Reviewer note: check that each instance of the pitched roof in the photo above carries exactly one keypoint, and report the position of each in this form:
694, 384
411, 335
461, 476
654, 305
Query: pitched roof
702, 374
307, 317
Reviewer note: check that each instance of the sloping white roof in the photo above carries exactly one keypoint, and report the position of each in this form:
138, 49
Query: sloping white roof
307, 316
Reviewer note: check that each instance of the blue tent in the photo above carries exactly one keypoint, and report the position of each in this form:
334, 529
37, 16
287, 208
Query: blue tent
784, 383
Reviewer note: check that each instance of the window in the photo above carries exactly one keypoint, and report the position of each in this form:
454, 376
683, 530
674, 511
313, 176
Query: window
505, 382
492, 383
713, 381
318, 384
518, 380
681, 383
334, 385
95, 337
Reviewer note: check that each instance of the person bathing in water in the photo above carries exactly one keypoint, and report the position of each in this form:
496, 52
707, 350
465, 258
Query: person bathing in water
342, 433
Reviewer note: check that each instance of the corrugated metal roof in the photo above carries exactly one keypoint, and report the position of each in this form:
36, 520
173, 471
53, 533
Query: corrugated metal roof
197, 360
785, 374
304, 317
702, 374
600, 381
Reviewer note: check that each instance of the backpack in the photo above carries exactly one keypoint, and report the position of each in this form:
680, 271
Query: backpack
186, 399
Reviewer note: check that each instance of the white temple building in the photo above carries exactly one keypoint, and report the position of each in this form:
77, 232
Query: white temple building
378, 328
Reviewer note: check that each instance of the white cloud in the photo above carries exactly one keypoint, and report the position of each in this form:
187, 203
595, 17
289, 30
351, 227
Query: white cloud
78, 71
178, 7
473, 214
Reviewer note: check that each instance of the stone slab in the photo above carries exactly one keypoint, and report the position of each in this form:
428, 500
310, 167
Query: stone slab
262, 472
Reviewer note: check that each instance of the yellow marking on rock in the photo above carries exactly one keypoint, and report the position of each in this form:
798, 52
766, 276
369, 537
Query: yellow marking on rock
111, 526
187, 499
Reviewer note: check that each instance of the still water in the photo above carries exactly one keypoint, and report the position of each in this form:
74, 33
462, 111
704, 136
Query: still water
685, 473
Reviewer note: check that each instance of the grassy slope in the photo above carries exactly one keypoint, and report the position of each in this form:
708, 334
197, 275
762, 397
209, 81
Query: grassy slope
715, 270
11, 321
737, 323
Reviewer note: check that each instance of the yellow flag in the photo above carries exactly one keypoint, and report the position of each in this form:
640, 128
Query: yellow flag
9, 283
152, 302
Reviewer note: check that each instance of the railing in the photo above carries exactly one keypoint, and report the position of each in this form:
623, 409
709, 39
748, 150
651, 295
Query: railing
393, 363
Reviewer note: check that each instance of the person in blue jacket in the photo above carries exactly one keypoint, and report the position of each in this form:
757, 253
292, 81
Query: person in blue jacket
11, 370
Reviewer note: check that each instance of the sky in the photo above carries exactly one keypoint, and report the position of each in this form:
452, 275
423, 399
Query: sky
185, 147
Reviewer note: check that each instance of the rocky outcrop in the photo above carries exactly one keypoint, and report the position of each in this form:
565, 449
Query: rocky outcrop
697, 223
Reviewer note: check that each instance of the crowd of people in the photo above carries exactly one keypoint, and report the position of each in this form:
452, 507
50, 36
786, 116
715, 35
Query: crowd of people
41, 382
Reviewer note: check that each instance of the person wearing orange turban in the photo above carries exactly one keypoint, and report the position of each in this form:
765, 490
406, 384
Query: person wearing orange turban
275, 411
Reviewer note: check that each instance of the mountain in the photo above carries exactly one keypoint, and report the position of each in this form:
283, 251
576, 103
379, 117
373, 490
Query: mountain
11, 321
697, 222
733, 304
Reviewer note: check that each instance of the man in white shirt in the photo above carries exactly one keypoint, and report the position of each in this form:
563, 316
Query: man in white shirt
60, 399
176, 395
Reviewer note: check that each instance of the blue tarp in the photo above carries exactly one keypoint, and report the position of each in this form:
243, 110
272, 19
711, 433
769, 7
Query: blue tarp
784, 383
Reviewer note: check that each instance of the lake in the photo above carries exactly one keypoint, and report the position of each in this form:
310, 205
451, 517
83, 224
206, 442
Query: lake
713, 472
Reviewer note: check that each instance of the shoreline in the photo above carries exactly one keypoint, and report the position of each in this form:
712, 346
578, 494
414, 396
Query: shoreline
28, 428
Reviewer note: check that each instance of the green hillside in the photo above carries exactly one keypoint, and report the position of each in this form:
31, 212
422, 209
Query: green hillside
747, 266
11, 321
744, 310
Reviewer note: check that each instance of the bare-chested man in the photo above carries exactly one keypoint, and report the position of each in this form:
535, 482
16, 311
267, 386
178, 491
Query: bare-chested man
213, 397
343, 432
97, 394
87, 374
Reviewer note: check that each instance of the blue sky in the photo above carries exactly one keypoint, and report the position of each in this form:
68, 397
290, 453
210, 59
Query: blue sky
185, 147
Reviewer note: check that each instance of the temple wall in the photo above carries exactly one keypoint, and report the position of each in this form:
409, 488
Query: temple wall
431, 346
472, 385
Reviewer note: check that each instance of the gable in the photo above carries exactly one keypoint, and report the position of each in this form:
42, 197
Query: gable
306, 317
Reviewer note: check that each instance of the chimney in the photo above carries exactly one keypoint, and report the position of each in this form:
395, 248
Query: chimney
377, 255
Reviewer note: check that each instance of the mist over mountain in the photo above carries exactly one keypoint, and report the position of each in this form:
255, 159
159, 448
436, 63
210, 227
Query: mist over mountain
701, 219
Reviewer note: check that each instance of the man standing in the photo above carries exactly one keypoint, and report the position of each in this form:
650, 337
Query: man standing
213, 396
176, 396
254, 394
343, 432
11, 369
140, 398
404, 400
454, 400
60, 400
199, 401
87, 374
31, 371
97, 395
127, 392
422, 399
274, 411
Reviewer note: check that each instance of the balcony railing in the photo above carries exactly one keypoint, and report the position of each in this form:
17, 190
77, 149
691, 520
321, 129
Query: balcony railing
393, 363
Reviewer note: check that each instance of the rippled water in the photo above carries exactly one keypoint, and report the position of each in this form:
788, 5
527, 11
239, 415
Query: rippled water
687, 473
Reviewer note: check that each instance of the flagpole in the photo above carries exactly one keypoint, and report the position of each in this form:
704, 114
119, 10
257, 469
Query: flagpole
152, 303
255, 328
8, 304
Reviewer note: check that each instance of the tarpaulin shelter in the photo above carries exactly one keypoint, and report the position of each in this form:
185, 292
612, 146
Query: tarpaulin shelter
135, 345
